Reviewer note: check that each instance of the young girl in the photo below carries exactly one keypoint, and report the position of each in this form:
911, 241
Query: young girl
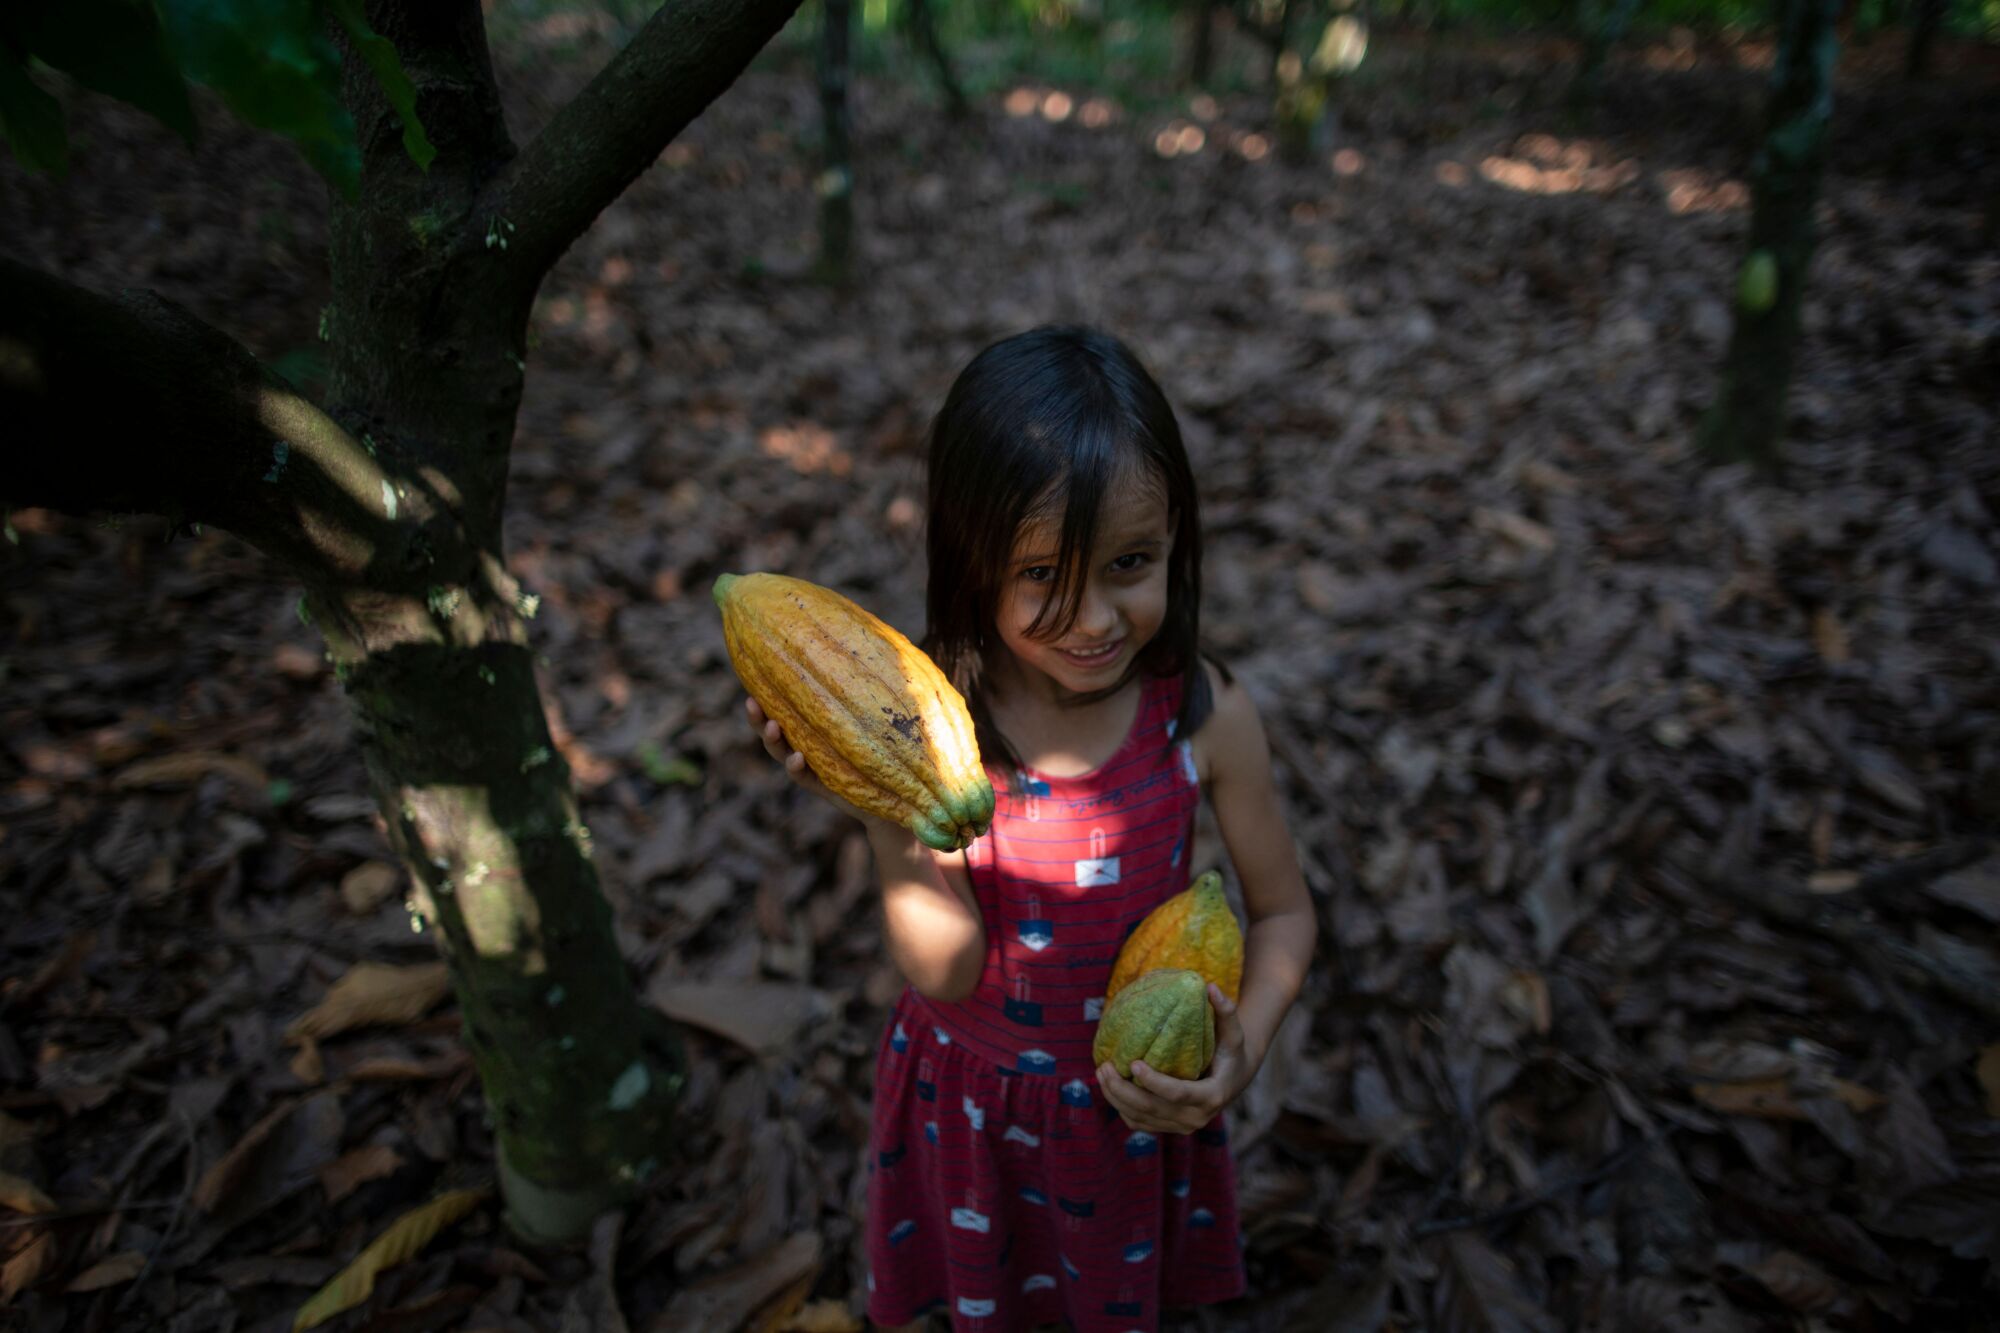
1011, 1183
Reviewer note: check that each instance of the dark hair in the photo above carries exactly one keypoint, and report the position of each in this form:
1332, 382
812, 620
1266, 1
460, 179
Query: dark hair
1054, 416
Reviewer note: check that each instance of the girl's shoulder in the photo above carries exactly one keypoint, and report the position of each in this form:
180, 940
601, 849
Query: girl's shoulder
1228, 720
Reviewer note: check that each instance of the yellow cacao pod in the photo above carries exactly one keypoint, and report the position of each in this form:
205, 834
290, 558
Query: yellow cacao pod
1193, 929
1162, 1018
874, 717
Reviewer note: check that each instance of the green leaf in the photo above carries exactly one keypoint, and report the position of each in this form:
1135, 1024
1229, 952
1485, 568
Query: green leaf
115, 47
30, 118
396, 86
274, 64
664, 771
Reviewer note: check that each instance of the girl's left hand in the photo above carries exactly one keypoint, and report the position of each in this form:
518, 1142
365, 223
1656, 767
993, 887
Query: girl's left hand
1161, 1104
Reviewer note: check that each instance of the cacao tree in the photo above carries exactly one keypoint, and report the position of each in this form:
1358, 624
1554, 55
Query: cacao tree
1747, 420
836, 176
384, 499
1601, 24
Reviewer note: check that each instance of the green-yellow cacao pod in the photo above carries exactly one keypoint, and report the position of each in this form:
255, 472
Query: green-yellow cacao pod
1162, 1018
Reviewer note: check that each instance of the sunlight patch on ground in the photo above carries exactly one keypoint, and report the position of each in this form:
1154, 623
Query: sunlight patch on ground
1690, 190
1179, 139
807, 447
1348, 162
1452, 174
1544, 164
1057, 106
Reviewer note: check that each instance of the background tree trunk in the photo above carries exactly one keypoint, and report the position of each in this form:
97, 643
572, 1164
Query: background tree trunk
836, 177
923, 28
1201, 53
1602, 26
1925, 20
1747, 420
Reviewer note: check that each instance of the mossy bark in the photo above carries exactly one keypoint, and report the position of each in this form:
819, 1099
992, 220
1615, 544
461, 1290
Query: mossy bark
387, 505
1747, 420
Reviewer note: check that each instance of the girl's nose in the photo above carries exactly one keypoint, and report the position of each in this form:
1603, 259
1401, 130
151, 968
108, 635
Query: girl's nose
1095, 616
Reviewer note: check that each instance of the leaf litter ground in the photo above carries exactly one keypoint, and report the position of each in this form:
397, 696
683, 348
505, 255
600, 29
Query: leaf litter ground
1647, 807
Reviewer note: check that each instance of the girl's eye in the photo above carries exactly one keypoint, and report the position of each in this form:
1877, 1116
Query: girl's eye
1038, 573
1125, 564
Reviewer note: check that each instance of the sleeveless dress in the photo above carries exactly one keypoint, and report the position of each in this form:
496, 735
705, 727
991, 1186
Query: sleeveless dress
1003, 1188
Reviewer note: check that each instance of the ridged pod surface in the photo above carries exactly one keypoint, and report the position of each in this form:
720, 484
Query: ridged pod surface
1193, 929
874, 717
1162, 1018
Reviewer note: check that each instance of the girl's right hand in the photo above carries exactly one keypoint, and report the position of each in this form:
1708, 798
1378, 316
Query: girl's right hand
794, 763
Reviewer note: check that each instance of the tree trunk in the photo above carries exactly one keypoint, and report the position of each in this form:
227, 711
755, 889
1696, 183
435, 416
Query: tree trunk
1747, 420
836, 177
1925, 22
1603, 27
388, 507
923, 27
1201, 56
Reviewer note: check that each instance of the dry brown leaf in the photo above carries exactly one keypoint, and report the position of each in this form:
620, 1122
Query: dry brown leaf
1989, 1078
308, 1066
220, 1179
761, 1016
191, 766
1548, 477
373, 993
61, 965
403, 1069
726, 1299
1829, 636
405, 1237
29, 1265
1833, 881
1797, 1281
1772, 1098
1517, 528
352, 1170
1525, 995
777, 1313
364, 888
822, 1316
23, 1196
120, 1267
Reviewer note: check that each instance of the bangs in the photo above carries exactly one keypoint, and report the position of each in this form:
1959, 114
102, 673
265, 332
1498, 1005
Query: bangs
1097, 473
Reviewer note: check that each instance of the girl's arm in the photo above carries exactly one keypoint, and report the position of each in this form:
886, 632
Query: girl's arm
929, 913
1236, 761
1278, 947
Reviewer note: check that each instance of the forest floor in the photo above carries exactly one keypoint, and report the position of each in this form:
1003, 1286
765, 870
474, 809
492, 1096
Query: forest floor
1648, 807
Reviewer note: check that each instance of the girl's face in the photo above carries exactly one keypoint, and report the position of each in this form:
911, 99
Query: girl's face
1124, 593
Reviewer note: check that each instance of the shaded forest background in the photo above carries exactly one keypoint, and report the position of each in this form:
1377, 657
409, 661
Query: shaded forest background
1648, 807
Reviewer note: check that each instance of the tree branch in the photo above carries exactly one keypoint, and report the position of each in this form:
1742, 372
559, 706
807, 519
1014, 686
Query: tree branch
688, 53
132, 403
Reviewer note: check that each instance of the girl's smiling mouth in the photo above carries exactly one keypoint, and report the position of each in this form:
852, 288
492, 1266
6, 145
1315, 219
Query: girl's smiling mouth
1095, 657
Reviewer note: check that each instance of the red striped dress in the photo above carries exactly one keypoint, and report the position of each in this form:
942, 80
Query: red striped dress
1003, 1188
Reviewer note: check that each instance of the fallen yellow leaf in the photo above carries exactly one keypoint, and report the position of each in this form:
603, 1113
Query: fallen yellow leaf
373, 993
23, 1196
1772, 1098
121, 1267
1989, 1078
406, 1236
